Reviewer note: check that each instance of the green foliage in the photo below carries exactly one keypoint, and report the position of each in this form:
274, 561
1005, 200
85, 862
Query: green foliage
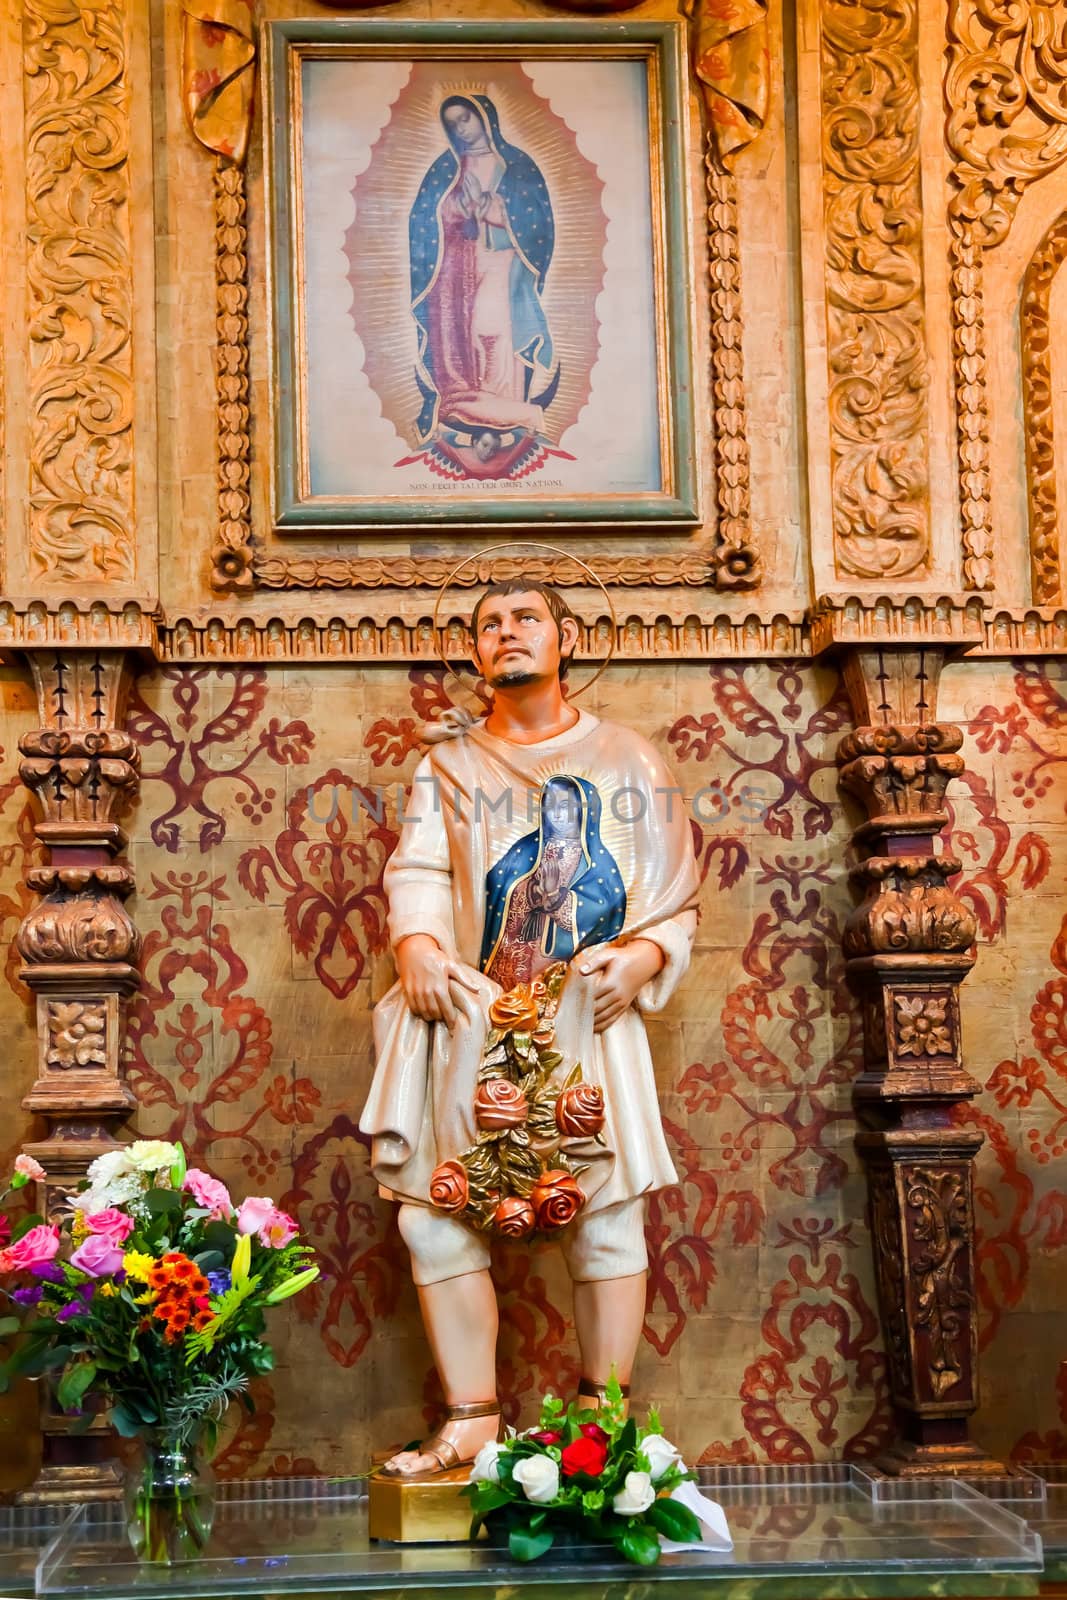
674, 1521
526, 1545
72, 1386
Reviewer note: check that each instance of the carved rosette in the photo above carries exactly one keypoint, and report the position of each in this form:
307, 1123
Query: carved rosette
875, 304
79, 950
909, 944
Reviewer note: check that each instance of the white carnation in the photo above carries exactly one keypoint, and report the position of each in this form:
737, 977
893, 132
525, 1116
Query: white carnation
538, 1477
485, 1468
635, 1496
661, 1455
108, 1166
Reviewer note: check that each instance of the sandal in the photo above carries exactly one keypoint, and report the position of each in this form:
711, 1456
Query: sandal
599, 1391
443, 1450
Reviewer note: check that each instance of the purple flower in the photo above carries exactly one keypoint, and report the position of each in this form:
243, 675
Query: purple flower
219, 1281
78, 1307
28, 1297
50, 1271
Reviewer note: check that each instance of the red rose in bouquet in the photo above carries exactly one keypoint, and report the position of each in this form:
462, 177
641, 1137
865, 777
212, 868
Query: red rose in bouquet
584, 1455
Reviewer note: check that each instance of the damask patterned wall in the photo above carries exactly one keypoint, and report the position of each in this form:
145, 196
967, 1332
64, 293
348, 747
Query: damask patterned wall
264, 951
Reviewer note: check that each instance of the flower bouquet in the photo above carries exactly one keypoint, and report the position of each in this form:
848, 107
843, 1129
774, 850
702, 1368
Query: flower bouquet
583, 1477
145, 1303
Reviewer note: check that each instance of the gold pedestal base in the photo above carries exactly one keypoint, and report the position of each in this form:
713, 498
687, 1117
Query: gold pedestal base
431, 1512
65, 1485
957, 1460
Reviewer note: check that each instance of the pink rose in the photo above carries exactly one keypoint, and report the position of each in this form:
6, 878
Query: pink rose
255, 1213
27, 1167
36, 1247
209, 1193
277, 1231
97, 1256
113, 1225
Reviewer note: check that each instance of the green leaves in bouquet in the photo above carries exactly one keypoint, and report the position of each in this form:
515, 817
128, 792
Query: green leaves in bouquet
673, 1520
637, 1542
524, 1544
73, 1385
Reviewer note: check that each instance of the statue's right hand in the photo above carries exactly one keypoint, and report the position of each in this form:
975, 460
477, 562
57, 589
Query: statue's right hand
426, 977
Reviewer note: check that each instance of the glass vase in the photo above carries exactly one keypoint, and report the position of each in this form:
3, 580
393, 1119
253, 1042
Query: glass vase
170, 1500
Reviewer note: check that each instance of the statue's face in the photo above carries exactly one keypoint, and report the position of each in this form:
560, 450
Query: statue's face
518, 641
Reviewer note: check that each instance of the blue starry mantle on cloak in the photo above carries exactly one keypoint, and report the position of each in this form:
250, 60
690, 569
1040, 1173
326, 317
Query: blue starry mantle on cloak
531, 233
597, 888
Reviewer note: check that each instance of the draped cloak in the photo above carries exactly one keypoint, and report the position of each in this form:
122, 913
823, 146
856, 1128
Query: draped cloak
459, 824
444, 273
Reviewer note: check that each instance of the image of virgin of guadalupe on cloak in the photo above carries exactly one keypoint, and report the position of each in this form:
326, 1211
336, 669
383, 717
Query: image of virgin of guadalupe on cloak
481, 236
557, 890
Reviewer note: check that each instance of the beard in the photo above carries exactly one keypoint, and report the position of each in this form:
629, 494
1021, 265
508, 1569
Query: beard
512, 680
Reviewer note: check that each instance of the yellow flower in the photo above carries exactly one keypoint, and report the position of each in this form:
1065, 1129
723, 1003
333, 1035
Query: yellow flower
78, 1230
137, 1264
145, 1299
108, 1290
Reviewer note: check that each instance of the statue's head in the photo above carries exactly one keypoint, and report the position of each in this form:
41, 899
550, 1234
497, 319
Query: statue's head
522, 632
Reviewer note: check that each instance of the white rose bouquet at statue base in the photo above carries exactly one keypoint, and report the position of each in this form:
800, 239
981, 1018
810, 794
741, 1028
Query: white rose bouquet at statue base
591, 1478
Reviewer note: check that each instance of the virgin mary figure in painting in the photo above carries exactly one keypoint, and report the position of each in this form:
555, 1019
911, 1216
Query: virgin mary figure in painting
555, 892
481, 235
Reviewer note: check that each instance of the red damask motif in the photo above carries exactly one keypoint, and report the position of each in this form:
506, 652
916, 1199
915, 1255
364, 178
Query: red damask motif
358, 1247
330, 882
238, 1455
681, 1264
197, 759
797, 736
391, 740
210, 1093
821, 1340
1007, 729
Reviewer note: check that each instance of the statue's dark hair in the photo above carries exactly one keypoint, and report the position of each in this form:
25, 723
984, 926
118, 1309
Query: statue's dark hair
555, 602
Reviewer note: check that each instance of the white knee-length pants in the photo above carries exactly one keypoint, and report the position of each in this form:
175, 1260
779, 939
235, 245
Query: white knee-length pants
609, 1243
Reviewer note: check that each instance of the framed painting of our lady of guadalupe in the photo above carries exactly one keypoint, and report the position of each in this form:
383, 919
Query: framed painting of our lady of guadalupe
480, 275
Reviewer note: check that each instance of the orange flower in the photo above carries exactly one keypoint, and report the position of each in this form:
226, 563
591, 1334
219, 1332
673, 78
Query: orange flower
448, 1186
201, 1320
513, 1218
556, 1199
580, 1111
499, 1103
516, 1011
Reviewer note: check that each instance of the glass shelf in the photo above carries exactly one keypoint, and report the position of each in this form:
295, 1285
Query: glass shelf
308, 1535
25, 1532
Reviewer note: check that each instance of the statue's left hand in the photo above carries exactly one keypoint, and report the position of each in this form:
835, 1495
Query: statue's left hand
622, 970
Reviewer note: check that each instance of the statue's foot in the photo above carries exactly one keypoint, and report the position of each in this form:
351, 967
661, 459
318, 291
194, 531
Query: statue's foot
455, 1443
592, 1394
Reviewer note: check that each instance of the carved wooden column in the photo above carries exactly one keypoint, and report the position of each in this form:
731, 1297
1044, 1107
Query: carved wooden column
909, 947
79, 948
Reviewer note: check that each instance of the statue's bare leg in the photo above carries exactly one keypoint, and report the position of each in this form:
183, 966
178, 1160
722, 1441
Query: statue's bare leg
609, 1314
461, 1320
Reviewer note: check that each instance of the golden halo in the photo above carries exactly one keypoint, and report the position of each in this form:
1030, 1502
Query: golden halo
526, 544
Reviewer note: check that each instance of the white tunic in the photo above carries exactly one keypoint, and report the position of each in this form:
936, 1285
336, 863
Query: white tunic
473, 797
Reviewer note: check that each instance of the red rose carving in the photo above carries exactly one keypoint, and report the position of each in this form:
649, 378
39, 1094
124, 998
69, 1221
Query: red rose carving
556, 1200
448, 1186
499, 1103
516, 1011
514, 1218
584, 1455
580, 1111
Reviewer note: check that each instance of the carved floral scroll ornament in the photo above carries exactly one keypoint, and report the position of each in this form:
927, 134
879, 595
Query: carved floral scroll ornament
1039, 413
1006, 88
874, 287
81, 504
